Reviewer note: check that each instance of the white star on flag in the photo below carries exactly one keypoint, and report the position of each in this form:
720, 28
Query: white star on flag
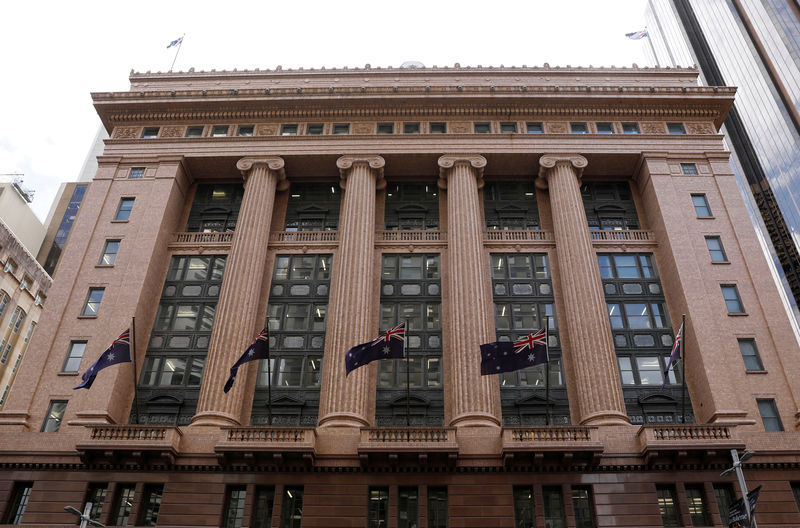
251, 353
386, 350
111, 357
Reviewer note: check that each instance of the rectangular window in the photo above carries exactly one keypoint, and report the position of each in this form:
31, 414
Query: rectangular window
245, 130
437, 128
732, 300
675, 128
534, 128
508, 128
701, 207
124, 209
4, 395
407, 507
796, 493
136, 173
151, 504
25, 282
93, 299
583, 507
122, 506
482, 128
667, 505
262, 509
19, 501
10, 266
769, 415
605, 128
234, 507
292, 514
385, 128
752, 360
524, 514
715, 249
73, 360
630, 128
697, 504
437, 507
97, 496
55, 413
150, 132
194, 132
219, 131
578, 128
378, 508
553, 507
289, 130
314, 129
109, 253
410, 128
723, 493
341, 128
690, 169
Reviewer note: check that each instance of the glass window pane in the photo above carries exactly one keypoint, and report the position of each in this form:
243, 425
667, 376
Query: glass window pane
650, 370
289, 371
615, 315
638, 315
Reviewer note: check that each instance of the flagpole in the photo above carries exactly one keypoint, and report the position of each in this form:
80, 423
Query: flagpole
133, 356
408, 376
176, 52
547, 369
683, 370
269, 384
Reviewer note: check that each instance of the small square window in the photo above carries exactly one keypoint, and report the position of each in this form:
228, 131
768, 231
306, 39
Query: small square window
385, 128
769, 415
752, 361
675, 128
25, 283
534, 128
245, 130
124, 209
219, 131
194, 132
74, 356
630, 128
109, 253
690, 169
11, 266
314, 129
150, 132
136, 173
508, 128
55, 413
39, 299
438, 128
289, 130
715, 249
701, 207
578, 128
605, 128
341, 128
732, 300
93, 300
483, 128
410, 128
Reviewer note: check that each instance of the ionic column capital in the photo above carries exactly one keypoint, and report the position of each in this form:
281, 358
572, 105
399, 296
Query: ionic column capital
550, 161
374, 162
272, 163
448, 161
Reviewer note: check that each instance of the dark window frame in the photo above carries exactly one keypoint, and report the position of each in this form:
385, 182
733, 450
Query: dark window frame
70, 358
771, 423
124, 209
52, 421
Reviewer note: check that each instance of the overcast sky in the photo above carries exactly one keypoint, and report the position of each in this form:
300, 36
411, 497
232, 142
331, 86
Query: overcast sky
54, 53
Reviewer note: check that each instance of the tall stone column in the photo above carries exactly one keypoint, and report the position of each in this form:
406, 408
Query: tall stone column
591, 358
474, 399
352, 310
235, 323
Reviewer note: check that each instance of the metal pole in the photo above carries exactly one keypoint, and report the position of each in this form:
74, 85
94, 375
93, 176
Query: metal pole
408, 376
85, 517
683, 370
547, 371
737, 466
269, 384
176, 52
133, 357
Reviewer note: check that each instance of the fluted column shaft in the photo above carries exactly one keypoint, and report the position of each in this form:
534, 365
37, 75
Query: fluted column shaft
235, 323
591, 358
352, 310
474, 399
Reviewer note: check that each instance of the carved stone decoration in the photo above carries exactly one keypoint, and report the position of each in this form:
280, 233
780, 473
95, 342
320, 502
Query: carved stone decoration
273, 163
653, 127
556, 128
363, 128
375, 162
548, 161
172, 132
699, 128
460, 127
448, 161
266, 130
126, 132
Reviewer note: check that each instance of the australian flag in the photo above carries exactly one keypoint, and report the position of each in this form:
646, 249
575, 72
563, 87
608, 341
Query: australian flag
675, 356
258, 349
175, 42
118, 352
636, 35
507, 356
389, 345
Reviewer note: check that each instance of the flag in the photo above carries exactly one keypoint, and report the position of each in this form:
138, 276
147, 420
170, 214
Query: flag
389, 345
118, 352
675, 355
507, 356
258, 349
636, 35
175, 42
737, 514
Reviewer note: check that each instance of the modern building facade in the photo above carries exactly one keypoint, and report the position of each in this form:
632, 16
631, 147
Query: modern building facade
755, 46
478, 204
16, 213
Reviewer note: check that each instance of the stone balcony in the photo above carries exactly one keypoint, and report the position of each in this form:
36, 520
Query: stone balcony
202, 242
684, 443
275, 445
393, 445
564, 445
630, 236
130, 443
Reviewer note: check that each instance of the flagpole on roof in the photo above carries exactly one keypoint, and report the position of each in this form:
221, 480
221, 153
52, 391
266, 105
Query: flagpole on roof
408, 376
547, 368
180, 42
683, 370
133, 357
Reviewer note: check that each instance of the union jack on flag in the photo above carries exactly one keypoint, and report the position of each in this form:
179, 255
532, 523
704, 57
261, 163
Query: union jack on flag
531, 340
675, 355
508, 356
389, 345
258, 349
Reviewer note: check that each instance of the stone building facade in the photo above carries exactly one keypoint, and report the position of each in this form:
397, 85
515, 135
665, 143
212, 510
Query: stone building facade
478, 204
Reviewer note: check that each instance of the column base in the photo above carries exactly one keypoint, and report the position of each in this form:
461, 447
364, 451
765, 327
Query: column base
343, 419
606, 418
215, 419
475, 420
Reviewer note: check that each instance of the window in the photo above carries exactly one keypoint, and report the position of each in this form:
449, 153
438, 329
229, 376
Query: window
697, 504
96, 494
630, 128
39, 299
7, 348
723, 493
11, 266
796, 493
234, 507
482, 128
553, 507
715, 249
534, 128
3, 302
93, 299
378, 508
16, 320
578, 128
245, 130
690, 169
5, 394
109, 253
124, 209
769, 415
122, 506
508, 128
667, 505
410, 128
25, 283
150, 132
16, 363
262, 510
701, 207
151, 504
19, 501
73, 360
292, 514
194, 132
524, 514
407, 507
675, 128
136, 173
219, 131
55, 413
385, 128
437, 507
289, 130
314, 129
605, 128
341, 128
437, 128
582, 504
732, 300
